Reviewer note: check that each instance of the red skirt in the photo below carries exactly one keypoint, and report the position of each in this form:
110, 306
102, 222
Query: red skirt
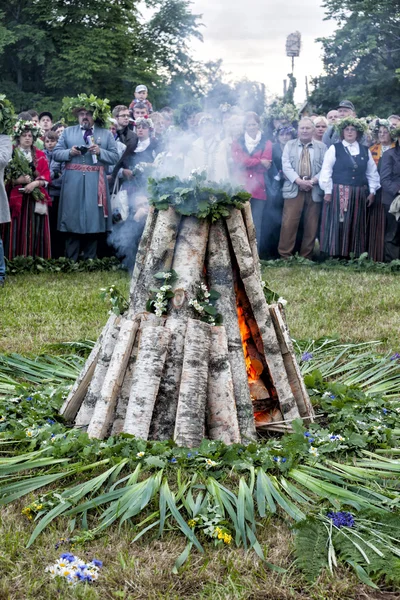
28, 234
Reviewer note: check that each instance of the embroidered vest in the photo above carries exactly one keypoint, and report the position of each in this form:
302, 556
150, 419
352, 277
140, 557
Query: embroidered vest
350, 170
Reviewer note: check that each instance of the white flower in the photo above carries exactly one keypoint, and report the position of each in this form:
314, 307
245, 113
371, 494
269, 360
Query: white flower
165, 288
282, 301
263, 284
313, 451
167, 275
140, 455
211, 463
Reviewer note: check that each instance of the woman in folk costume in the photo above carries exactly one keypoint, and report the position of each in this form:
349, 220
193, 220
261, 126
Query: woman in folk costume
350, 179
205, 153
87, 149
27, 177
252, 156
384, 140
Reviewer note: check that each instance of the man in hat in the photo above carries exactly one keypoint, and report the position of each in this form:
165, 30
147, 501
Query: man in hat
141, 97
84, 210
344, 109
46, 120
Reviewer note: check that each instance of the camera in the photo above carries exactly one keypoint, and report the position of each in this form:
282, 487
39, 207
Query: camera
82, 149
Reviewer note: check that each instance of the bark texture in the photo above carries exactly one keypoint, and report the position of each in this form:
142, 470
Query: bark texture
251, 235
86, 410
190, 414
222, 421
144, 246
220, 278
105, 405
153, 346
75, 398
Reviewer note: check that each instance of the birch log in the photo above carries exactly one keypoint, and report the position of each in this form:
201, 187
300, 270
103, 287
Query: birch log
144, 246
292, 368
87, 408
251, 234
190, 414
259, 306
158, 258
105, 405
220, 278
123, 398
75, 398
153, 346
188, 263
222, 420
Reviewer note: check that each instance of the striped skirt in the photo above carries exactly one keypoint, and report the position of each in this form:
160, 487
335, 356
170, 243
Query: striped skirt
376, 229
28, 234
344, 222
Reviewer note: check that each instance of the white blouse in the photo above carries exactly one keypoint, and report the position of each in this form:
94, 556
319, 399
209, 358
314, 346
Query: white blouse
325, 176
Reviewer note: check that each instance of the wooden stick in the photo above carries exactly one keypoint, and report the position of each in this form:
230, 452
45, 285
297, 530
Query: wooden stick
105, 405
123, 398
292, 368
153, 345
251, 234
222, 421
190, 414
87, 408
220, 278
158, 258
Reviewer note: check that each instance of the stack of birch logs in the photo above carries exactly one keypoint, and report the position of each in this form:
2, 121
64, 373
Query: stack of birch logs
178, 377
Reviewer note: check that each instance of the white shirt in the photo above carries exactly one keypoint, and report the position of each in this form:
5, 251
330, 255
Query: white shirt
325, 176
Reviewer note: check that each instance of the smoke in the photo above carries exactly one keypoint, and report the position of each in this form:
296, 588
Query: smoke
129, 218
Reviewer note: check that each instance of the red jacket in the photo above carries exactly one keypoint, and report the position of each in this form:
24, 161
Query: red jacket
251, 172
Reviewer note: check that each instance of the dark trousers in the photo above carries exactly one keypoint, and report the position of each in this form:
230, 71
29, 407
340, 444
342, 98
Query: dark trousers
392, 238
76, 243
257, 211
293, 209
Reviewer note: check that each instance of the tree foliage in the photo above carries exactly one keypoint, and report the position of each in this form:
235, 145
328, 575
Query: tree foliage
362, 57
53, 48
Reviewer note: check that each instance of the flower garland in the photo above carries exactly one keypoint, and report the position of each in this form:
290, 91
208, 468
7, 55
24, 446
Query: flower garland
21, 126
202, 304
100, 108
196, 196
7, 116
74, 570
158, 301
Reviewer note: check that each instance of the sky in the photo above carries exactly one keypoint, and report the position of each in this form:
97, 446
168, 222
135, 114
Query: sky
250, 37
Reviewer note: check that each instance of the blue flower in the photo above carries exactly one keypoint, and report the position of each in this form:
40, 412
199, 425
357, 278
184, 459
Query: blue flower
332, 396
307, 434
395, 356
173, 460
97, 563
68, 556
306, 356
50, 421
284, 459
310, 439
189, 454
385, 411
29, 398
341, 519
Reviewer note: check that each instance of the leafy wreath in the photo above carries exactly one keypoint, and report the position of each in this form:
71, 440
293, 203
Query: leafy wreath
100, 108
359, 125
196, 196
7, 116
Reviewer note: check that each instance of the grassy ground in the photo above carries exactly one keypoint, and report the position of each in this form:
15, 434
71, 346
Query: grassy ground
37, 311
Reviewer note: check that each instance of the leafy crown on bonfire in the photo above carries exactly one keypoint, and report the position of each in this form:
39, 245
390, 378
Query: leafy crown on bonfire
100, 108
7, 116
21, 126
195, 196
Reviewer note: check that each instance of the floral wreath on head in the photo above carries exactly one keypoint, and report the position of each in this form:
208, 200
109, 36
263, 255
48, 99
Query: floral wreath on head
144, 121
384, 123
7, 116
21, 126
358, 124
100, 109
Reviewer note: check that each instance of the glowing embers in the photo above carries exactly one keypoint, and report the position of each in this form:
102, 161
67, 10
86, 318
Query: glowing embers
263, 393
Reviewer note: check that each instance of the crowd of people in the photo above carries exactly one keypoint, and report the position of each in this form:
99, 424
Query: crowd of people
333, 180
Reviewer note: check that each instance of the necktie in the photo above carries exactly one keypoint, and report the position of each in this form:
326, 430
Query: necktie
305, 162
87, 133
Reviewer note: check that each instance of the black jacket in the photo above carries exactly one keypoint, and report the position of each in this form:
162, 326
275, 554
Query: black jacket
390, 175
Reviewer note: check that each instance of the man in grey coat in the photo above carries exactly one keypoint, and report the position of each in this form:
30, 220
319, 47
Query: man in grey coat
5, 157
301, 164
85, 210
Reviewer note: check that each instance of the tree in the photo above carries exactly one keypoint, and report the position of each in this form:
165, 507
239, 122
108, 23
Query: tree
53, 48
361, 57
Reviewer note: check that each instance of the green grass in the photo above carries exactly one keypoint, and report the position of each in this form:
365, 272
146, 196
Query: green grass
353, 306
40, 310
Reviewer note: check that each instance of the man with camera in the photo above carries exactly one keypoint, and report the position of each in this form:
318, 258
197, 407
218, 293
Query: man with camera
86, 149
301, 164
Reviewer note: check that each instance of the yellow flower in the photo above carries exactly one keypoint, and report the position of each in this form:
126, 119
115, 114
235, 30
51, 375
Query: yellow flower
26, 511
192, 523
2, 419
227, 538
220, 535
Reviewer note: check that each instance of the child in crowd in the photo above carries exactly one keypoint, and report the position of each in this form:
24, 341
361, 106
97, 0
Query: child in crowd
58, 128
50, 140
141, 97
